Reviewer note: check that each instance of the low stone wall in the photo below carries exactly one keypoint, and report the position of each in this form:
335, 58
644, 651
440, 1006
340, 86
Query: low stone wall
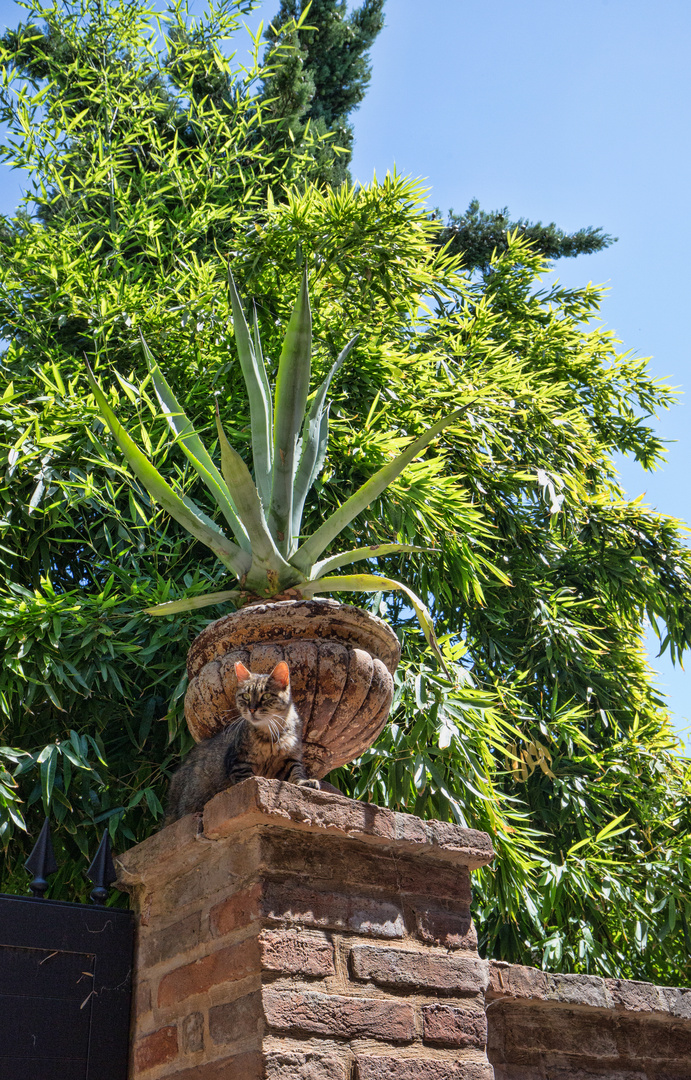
580, 1027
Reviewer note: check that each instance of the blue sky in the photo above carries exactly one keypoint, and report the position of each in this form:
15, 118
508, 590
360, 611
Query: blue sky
575, 112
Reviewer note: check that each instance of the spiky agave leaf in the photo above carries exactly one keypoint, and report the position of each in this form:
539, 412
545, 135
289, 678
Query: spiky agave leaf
292, 388
258, 391
239, 479
184, 510
357, 554
194, 449
265, 554
193, 603
315, 437
308, 553
375, 583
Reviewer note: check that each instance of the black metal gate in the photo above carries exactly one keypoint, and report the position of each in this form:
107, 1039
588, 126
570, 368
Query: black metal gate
65, 984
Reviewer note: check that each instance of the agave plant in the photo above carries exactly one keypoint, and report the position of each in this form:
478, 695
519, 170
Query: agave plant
264, 514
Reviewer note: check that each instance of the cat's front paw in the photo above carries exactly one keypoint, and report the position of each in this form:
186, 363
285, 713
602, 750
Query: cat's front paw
310, 783
239, 773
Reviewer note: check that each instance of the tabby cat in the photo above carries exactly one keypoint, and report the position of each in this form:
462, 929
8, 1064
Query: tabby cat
265, 740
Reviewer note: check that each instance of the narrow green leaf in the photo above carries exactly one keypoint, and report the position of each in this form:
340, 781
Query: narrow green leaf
193, 447
49, 765
259, 392
375, 583
239, 480
193, 603
611, 828
183, 510
292, 387
315, 438
313, 547
327, 565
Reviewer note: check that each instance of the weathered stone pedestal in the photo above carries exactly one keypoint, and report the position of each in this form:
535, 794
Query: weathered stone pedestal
299, 935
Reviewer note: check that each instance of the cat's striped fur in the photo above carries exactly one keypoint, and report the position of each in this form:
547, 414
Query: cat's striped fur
266, 740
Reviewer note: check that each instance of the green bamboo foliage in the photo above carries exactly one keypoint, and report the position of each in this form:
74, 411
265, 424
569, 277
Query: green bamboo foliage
289, 445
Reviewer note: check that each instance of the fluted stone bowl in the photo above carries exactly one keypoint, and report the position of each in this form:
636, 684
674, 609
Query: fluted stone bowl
341, 662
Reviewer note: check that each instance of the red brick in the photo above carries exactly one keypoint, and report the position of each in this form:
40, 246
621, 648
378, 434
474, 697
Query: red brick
231, 964
342, 1017
238, 911
329, 860
516, 981
155, 1049
655, 1039
171, 941
337, 862
270, 802
291, 1065
444, 1025
584, 1033
214, 870
418, 970
427, 971
193, 1033
450, 930
240, 1019
375, 918
142, 998
637, 996
397, 1068
296, 953
167, 846
248, 1066
436, 879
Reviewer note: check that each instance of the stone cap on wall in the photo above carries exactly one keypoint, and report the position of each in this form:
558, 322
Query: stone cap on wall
258, 801
515, 983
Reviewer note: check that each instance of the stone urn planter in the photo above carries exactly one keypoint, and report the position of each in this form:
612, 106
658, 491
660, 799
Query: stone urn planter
341, 662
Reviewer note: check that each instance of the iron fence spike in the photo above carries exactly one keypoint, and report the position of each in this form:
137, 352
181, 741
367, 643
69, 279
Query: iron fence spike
41, 862
102, 871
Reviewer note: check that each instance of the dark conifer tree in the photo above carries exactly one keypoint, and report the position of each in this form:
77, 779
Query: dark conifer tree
327, 77
476, 235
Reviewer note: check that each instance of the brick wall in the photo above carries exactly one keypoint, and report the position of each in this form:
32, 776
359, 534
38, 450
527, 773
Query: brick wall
580, 1027
298, 935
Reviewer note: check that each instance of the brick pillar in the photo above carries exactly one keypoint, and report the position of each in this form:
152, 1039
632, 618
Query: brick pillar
299, 935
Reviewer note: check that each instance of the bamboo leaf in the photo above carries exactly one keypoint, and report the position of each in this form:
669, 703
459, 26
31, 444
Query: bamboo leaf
49, 764
183, 510
315, 437
313, 547
193, 603
611, 828
259, 392
292, 387
375, 583
327, 565
239, 480
193, 447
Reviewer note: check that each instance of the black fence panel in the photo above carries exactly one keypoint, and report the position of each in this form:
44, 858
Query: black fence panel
65, 990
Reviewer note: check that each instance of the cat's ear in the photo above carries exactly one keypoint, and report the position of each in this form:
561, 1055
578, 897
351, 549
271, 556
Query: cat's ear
281, 675
241, 672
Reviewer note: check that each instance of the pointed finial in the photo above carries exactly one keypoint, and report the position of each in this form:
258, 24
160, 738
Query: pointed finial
102, 871
41, 862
